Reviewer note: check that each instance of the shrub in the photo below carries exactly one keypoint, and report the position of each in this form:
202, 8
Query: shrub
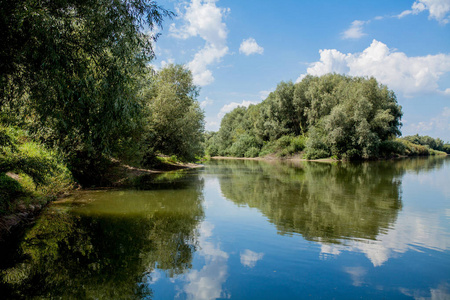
392, 147
414, 149
252, 152
42, 172
242, 145
10, 189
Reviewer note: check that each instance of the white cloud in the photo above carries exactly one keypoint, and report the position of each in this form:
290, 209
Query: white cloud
408, 234
438, 126
438, 10
204, 19
357, 274
166, 63
250, 258
229, 107
408, 75
212, 124
264, 94
250, 46
207, 282
355, 31
206, 102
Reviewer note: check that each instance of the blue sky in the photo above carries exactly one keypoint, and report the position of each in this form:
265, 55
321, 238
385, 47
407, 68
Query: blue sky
239, 50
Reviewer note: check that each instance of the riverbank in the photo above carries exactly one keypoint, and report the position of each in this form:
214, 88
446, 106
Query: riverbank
299, 157
28, 207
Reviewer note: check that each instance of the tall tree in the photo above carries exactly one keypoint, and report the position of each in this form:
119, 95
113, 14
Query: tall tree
71, 69
175, 121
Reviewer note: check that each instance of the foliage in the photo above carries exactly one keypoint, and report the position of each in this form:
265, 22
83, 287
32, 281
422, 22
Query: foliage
436, 144
85, 253
332, 115
321, 201
174, 120
40, 172
446, 148
71, 72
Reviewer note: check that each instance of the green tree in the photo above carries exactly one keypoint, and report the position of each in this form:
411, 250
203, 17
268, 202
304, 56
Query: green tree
70, 71
175, 121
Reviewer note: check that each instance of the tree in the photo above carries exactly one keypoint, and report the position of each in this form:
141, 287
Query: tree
175, 121
348, 117
71, 70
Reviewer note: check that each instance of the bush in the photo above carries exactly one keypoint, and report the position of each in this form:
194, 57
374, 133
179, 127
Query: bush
392, 148
316, 153
10, 189
446, 148
414, 149
298, 143
242, 145
41, 172
252, 152
316, 146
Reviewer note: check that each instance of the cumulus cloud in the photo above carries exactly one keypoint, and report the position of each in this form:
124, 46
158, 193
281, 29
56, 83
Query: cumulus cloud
438, 10
436, 126
408, 75
355, 31
408, 234
357, 274
229, 107
250, 258
204, 19
264, 94
207, 282
250, 46
206, 102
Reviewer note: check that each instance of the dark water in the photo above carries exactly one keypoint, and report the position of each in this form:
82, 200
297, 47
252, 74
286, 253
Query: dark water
246, 230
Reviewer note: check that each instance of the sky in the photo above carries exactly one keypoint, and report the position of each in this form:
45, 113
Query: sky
238, 51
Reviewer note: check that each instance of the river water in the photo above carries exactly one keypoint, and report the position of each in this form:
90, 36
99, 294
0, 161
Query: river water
246, 230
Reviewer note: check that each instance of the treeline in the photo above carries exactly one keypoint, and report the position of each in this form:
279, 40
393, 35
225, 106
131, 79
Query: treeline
428, 142
75, 82
329, 116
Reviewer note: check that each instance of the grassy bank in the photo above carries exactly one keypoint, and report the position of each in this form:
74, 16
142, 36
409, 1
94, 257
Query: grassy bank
294, 148
31, 175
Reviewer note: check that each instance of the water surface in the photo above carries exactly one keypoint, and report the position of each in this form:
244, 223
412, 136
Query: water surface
247, 230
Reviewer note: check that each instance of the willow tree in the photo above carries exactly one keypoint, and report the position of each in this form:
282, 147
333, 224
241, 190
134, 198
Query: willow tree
70, 70
175, 121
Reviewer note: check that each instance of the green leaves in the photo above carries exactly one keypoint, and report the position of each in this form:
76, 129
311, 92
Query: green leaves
347, 117
175, 121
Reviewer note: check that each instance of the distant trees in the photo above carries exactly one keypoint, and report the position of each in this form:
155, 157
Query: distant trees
435, 144
342, 116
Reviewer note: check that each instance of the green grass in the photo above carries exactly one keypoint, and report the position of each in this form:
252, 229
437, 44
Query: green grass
29, 173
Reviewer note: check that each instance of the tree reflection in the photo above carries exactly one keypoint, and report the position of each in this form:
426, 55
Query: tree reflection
326, 202
104, 244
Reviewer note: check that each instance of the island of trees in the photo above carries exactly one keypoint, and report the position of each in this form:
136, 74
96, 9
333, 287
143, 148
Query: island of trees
78, 96
334, 115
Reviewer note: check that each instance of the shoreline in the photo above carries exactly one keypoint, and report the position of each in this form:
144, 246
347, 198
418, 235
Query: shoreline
122, 178
297, 157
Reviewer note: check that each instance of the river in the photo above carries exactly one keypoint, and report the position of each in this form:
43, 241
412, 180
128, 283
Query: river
245, 230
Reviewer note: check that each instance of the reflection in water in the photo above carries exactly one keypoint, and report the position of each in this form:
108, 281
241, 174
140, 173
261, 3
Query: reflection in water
343, 206
250, 258
323, 202
442, 292
169, 242
107, 243
207, 283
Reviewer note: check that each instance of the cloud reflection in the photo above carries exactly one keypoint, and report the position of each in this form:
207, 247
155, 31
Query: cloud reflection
207, 282
250, 258
411, 232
